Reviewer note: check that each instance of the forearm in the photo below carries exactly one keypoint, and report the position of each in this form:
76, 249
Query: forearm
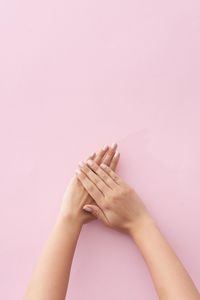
51, 275
170, 278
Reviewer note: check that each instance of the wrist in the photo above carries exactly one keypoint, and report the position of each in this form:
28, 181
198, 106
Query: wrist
70, 221
139, 226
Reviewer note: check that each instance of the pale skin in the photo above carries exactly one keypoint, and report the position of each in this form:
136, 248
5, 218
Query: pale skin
98, 192
51, 275
118, 206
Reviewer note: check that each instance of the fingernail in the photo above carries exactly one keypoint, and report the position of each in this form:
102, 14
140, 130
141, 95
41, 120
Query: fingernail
92, 154
87, 209
116, 154
105, 147
89, 162
78, 171
113, 146
81, 163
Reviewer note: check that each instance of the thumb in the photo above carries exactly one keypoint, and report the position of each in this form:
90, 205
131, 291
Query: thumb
95, 211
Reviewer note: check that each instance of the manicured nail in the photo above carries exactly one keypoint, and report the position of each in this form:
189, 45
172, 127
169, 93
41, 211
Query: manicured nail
113, 146
90, 162
116, 154
105, 147
81, 163
78, 171
93, 154
87, 209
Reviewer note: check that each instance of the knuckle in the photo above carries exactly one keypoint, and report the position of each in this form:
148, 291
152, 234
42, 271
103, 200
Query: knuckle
84, 169
107, 169
110, 152
90, 187
109, 181
104, 167
116, 194
91, 175
100, 184
88, 171
104, 177
94, 167
124, 192
82, 176
95, 180
106, 205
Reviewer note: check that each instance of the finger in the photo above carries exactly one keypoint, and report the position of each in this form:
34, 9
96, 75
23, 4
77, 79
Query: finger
92, 156
115, 161
97, 212
90, 217
101, 154
90, 187
117, 179
109, 155
102, 186
102, 174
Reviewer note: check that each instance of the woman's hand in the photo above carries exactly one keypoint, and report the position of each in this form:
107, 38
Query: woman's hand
75, 196
117, 204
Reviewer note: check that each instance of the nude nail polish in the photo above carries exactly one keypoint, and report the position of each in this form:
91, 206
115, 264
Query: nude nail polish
105, 147
89, 162
81, 163
78, 171
113, 146
116, 154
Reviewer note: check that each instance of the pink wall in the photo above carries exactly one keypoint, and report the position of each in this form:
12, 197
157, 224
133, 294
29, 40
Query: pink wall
75, 75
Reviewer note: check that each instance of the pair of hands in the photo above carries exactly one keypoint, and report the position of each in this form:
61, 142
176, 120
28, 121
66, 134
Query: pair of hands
75, 195
98, 192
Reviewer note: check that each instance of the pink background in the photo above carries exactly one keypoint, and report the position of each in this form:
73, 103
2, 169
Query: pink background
75, 75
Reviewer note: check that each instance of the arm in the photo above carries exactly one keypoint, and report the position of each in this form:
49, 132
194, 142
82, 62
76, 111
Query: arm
51, 275
50, 279
119, 207
170, 278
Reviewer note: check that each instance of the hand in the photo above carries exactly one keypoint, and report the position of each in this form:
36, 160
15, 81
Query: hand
75, 196
117, 204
